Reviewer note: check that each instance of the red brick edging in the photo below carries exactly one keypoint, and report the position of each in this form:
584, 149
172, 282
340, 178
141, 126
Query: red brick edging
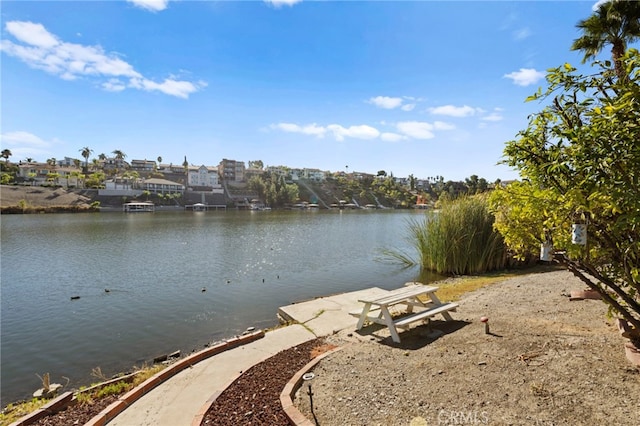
51, 407
136, 393
133, 395
286, 397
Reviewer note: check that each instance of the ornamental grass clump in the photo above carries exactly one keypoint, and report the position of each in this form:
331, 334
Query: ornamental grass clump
458, 239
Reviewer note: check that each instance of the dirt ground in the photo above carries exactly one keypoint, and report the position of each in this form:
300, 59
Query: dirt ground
547, 361
38, 196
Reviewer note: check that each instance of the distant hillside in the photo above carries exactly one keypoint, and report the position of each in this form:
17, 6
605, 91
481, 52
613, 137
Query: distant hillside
362, 192
40, 198
18, 198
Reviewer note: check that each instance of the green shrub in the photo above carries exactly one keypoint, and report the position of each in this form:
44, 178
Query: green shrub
457, 239
113, 389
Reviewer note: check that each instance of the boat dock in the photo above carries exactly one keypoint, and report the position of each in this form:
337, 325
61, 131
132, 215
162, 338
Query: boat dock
200, 207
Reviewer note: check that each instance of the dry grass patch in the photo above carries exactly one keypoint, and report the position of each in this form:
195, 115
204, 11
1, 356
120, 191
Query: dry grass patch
319, 350
452, 290
13, 412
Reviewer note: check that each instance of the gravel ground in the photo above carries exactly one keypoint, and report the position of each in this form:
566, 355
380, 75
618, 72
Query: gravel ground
549, 361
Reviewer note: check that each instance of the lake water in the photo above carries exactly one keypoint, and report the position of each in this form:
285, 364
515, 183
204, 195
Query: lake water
155, 266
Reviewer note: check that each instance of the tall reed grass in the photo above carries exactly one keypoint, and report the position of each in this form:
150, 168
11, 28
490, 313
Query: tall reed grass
458, 239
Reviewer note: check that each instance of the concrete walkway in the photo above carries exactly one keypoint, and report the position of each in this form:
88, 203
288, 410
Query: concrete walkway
179, 399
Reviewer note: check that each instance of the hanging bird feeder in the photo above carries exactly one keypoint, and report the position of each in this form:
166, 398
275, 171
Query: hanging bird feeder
546, 248
579, 230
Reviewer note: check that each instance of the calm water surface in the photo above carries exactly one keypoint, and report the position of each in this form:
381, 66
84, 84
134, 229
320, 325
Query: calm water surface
155, 266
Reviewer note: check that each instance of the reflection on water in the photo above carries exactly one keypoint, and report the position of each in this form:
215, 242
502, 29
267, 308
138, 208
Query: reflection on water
140, 281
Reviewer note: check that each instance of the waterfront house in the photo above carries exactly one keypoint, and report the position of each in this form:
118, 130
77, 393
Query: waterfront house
40, 174
231, 170
143, 166
162, 186
315, 175
114, 163
69, 162
251, 172
203, 178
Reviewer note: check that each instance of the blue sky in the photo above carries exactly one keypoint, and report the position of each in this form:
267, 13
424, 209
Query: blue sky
422, 87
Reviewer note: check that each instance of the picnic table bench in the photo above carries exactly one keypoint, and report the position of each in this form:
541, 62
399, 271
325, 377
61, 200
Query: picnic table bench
377, 309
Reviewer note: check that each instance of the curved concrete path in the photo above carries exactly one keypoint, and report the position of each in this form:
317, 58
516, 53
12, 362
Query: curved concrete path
178, 400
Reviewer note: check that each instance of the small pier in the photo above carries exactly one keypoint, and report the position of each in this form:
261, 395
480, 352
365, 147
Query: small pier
135, 207
201, 207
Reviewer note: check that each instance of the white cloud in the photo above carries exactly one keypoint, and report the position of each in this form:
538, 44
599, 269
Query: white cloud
33, 34
386, 102
525, 76
279, 3
416, 129
287, 127
24, 144
358, 132
422, 129
494, 116
522, 33
405, 130
43, 50
151, 5
454, 111
309, 129
508, 21
113, 85
391, 137
20, 137
441, 125
180, 89
339, 132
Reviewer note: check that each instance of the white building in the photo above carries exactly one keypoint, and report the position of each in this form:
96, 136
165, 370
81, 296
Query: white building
162, 186
203, 177
314, 174
297, 174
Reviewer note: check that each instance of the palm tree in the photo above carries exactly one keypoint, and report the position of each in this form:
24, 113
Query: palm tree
6, 153
120, 156
86, 152
102, 156
616, 22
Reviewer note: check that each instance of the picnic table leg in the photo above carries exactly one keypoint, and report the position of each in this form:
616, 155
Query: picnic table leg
363, 315
410, 305
412, 302
437, 302
389, 321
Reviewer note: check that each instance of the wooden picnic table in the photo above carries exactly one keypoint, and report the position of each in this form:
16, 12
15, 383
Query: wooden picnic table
377, 309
